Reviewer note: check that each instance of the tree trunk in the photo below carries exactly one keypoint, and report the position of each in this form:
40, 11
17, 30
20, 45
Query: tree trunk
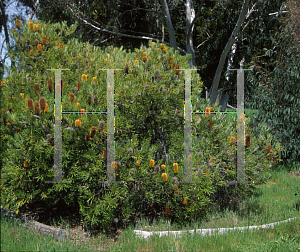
165, 8
190, 16
215, 84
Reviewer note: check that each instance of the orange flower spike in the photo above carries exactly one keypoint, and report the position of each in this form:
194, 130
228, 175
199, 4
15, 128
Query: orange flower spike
46, 108
18, 23
39, 47
36, 88
78, 86
30, 103
77, 123
184, 201
50, 84
82, 112
30, 25
42, 103
72, 97
31, 52
206, 112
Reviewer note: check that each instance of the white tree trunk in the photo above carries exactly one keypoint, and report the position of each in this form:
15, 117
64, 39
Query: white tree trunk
165, 8
190, 16
215, 84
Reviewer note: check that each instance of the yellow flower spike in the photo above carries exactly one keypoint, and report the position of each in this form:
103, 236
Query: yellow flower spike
30, 25
18, 23
151, 163
163, 167
136, 61
184, 201
165, 177
211, 160
175, 167
46, 108
165, 49
21, 96
206, 112
77, 123
95, 79
39, 47
2, 83
137, 163
82, 112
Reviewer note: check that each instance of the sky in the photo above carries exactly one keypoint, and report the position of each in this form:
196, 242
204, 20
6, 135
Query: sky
11, 10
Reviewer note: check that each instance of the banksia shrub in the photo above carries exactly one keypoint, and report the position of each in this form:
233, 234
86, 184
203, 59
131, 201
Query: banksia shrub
151, 163
42, 103
78, 86
18, 23
77, 123
39, 47
165, 177
72, 97
175, 167
93, 131
36, 88
248, 137
29, 103
163, 167
50, 84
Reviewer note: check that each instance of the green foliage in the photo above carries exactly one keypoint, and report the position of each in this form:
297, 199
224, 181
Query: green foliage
278, 96
29, 134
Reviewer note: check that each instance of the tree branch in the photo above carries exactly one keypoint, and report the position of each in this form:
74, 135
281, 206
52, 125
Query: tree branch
192, 24
34, 10
120, 34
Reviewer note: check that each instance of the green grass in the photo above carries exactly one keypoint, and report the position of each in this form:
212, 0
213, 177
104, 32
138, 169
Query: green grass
275, 201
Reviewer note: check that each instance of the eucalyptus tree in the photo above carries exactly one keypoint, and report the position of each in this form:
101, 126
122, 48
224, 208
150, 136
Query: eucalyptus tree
277, 86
